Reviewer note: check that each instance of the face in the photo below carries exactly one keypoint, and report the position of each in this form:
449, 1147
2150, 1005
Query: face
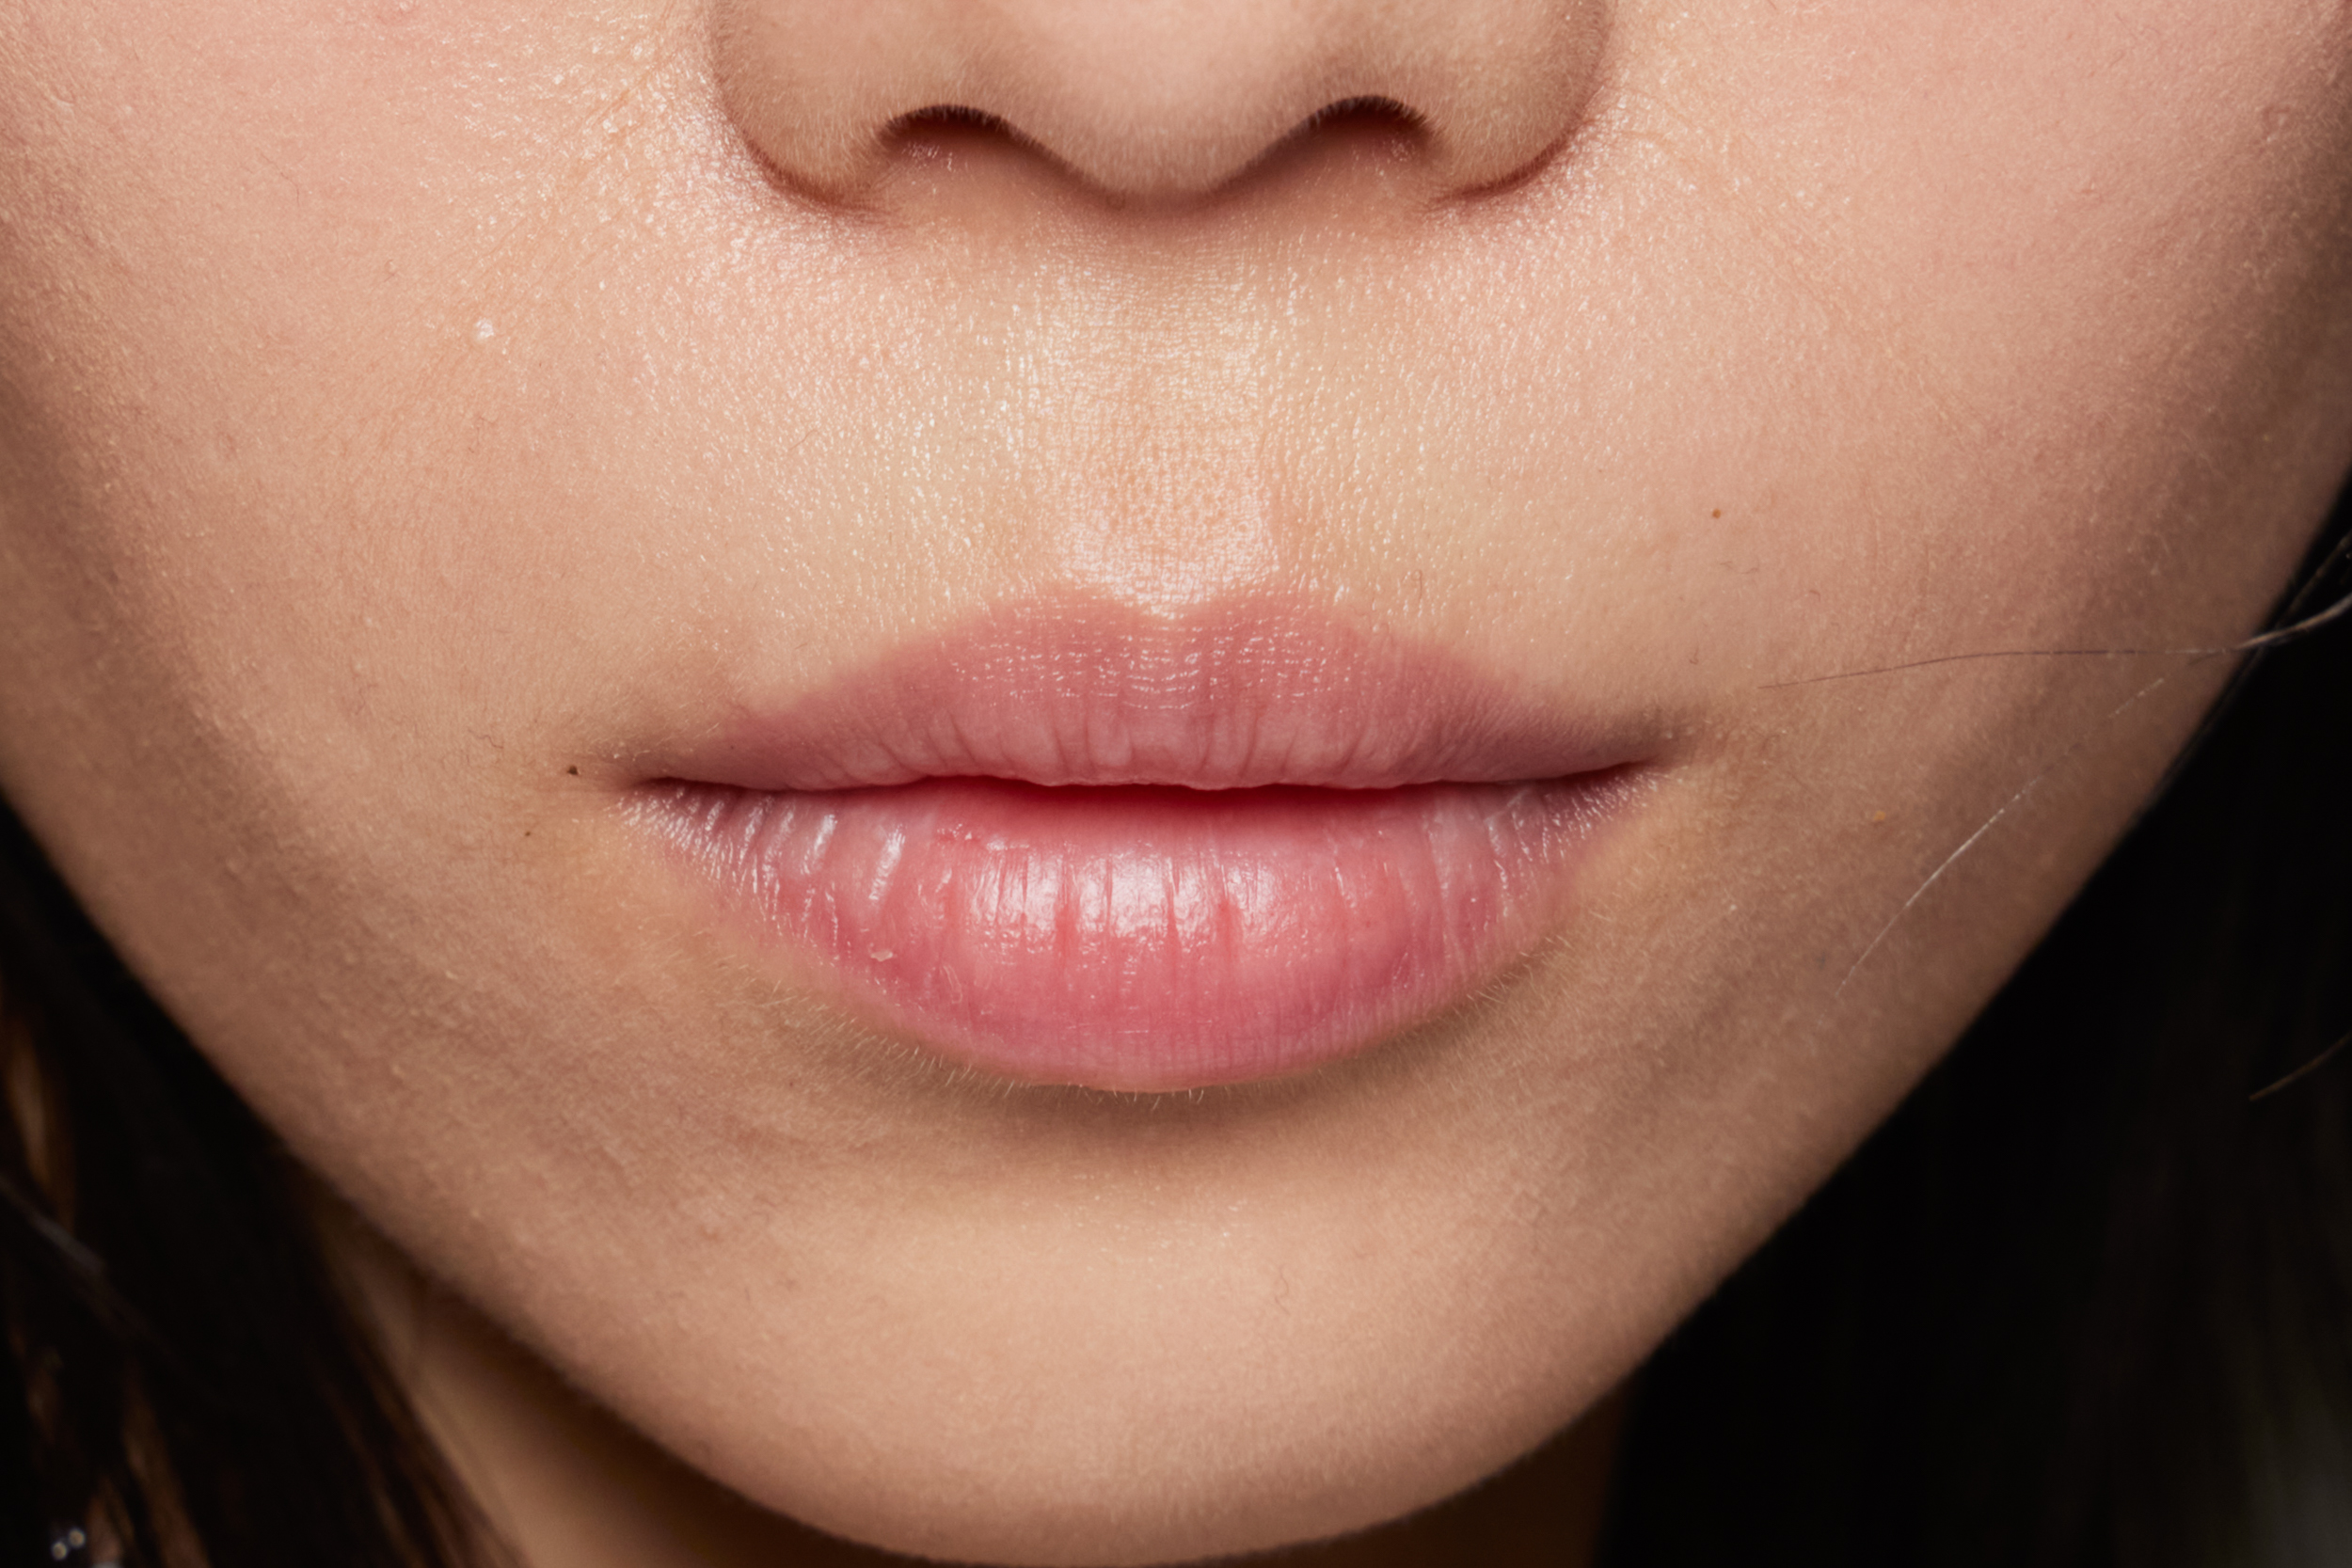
477, 480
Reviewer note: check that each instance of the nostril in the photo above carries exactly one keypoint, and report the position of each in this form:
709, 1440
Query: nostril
947, 117
947, 130
1368, 112
1369, 126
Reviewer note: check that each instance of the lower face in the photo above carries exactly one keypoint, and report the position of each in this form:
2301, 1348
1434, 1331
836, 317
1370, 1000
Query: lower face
486, 572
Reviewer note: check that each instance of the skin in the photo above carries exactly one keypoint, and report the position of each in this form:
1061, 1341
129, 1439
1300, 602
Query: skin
412, 411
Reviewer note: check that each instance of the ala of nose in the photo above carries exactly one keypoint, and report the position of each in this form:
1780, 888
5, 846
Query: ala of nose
1153, 100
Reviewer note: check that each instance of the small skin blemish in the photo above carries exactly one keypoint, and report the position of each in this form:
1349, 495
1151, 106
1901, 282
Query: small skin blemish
1878, 816
573, 770
1717, 513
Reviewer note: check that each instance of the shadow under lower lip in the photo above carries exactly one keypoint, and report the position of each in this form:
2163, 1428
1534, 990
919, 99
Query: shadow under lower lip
1143, 938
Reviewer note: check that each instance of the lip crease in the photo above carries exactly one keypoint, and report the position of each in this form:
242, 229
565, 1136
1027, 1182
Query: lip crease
1075, 842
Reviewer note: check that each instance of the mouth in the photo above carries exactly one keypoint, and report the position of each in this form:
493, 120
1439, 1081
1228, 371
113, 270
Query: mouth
1080, 843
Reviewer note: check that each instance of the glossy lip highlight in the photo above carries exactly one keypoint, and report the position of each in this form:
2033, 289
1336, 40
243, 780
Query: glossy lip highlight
1080, 843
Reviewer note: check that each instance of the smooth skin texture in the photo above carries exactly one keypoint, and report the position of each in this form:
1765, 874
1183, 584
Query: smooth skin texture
413, 413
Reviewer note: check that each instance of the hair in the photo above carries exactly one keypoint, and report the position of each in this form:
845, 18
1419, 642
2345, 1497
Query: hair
2081, 1301
2087, 1298
186, 1370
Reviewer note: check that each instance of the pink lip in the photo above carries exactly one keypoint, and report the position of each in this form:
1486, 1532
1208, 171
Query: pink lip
1082, 844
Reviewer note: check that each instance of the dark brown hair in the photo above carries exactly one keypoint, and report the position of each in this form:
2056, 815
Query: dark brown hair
182, 1365
2087, 1299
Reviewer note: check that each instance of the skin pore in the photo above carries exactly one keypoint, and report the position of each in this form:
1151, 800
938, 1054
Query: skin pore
421, 420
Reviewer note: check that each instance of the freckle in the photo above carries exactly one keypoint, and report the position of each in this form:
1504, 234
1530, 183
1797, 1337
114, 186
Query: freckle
1878, 816
1717, 513
573, 770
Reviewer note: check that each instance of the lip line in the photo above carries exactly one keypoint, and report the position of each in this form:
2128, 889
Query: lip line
1083, 690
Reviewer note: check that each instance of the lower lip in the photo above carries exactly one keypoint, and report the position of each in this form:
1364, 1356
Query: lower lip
1144, 938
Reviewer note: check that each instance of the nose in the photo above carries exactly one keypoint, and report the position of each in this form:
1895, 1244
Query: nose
1153, 99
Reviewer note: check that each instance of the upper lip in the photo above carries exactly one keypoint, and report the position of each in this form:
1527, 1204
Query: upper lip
1090, 692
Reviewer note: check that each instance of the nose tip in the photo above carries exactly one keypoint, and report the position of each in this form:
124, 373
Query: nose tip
1153, 99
